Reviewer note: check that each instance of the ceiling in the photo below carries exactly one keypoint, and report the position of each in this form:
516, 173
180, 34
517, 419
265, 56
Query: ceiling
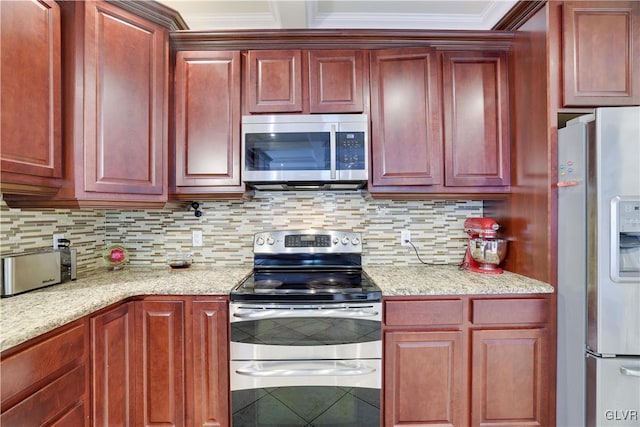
203, 15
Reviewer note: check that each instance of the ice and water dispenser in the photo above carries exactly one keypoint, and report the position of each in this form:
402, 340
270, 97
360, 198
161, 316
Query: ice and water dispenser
625, 245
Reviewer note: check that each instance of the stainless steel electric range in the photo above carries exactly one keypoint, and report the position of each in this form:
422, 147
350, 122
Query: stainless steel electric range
306, 342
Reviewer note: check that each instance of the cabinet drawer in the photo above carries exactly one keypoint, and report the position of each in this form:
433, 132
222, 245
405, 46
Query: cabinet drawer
35, 364
423, 313
509, 311
50, 402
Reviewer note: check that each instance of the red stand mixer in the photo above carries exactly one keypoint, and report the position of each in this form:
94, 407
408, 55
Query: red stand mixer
484, 250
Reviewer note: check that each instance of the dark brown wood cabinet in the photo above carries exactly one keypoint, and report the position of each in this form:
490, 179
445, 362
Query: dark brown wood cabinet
509, 375
511, 359
115, 110
336, 79
440, 122
125, 104
424, 378
30, 112
305, 81
406, 138
601, 53
159, 352
113, 373
45, 381
274, 81
209, 356
207, 124
468, 361
476, 119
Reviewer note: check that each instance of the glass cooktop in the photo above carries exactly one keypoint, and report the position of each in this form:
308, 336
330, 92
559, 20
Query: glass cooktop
303, 285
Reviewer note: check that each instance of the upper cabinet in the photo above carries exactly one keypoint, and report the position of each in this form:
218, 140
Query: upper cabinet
476, 119
406, 142
601, 53
336, 79
304, 81
274, 81
30, 116
440, 122
206, 148
115, 111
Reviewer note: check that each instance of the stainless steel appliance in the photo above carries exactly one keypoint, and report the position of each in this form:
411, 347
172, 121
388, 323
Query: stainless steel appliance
306, 343
29, 271
302, 152
598, 377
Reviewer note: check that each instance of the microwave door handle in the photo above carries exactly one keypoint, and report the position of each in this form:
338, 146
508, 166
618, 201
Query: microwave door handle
332, 151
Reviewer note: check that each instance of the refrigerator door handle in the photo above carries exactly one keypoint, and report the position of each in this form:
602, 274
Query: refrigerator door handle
572, 183
630, 371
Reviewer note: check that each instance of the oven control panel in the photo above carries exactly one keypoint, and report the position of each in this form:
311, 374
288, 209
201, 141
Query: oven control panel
307, 241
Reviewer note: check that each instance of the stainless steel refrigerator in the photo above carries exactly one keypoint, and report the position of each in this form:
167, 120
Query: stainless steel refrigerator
598, 377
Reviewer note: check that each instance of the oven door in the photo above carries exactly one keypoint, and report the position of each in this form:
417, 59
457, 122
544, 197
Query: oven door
306, 364
305, 331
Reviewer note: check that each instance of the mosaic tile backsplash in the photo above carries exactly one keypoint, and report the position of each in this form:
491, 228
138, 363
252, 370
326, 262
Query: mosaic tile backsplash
228, 228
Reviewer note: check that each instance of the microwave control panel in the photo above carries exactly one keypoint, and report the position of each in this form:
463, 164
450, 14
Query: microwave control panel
351, 150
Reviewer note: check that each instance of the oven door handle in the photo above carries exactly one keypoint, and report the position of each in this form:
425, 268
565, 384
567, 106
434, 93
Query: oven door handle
317, 368
261, 313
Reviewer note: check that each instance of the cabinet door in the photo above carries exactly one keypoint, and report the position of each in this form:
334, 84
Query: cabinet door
476, 119
406, 145
112, 335
424, 379
125, 108
30, 118
601, 53
274, 81
335, 81
509, 376
159, 352
210, 363
207, 109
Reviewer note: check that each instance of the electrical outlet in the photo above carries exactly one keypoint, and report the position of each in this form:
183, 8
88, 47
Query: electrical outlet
196, 238
55, 240
405, 237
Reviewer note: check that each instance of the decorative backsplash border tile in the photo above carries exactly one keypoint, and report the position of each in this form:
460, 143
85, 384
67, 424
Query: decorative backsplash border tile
228, 228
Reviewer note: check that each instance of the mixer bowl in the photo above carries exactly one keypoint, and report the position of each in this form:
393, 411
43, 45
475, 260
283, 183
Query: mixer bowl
488, 252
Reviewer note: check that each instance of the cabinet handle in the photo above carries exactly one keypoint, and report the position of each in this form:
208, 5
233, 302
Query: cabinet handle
631, 372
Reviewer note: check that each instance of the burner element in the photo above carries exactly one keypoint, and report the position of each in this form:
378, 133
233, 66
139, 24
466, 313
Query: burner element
329, 283
267, 284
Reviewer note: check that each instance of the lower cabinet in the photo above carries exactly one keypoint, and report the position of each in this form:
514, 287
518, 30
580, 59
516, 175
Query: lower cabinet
44, 381
509, 370
487, 362
209, 376
159, 358
113, 376
161, 361
424, 378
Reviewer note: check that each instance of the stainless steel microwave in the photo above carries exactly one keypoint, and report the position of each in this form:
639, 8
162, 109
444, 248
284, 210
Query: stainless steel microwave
323, 151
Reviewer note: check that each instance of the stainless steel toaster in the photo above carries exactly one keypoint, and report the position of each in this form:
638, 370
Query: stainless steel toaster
29, 271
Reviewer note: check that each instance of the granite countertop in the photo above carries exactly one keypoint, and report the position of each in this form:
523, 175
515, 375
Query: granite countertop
450, 280
26, 316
